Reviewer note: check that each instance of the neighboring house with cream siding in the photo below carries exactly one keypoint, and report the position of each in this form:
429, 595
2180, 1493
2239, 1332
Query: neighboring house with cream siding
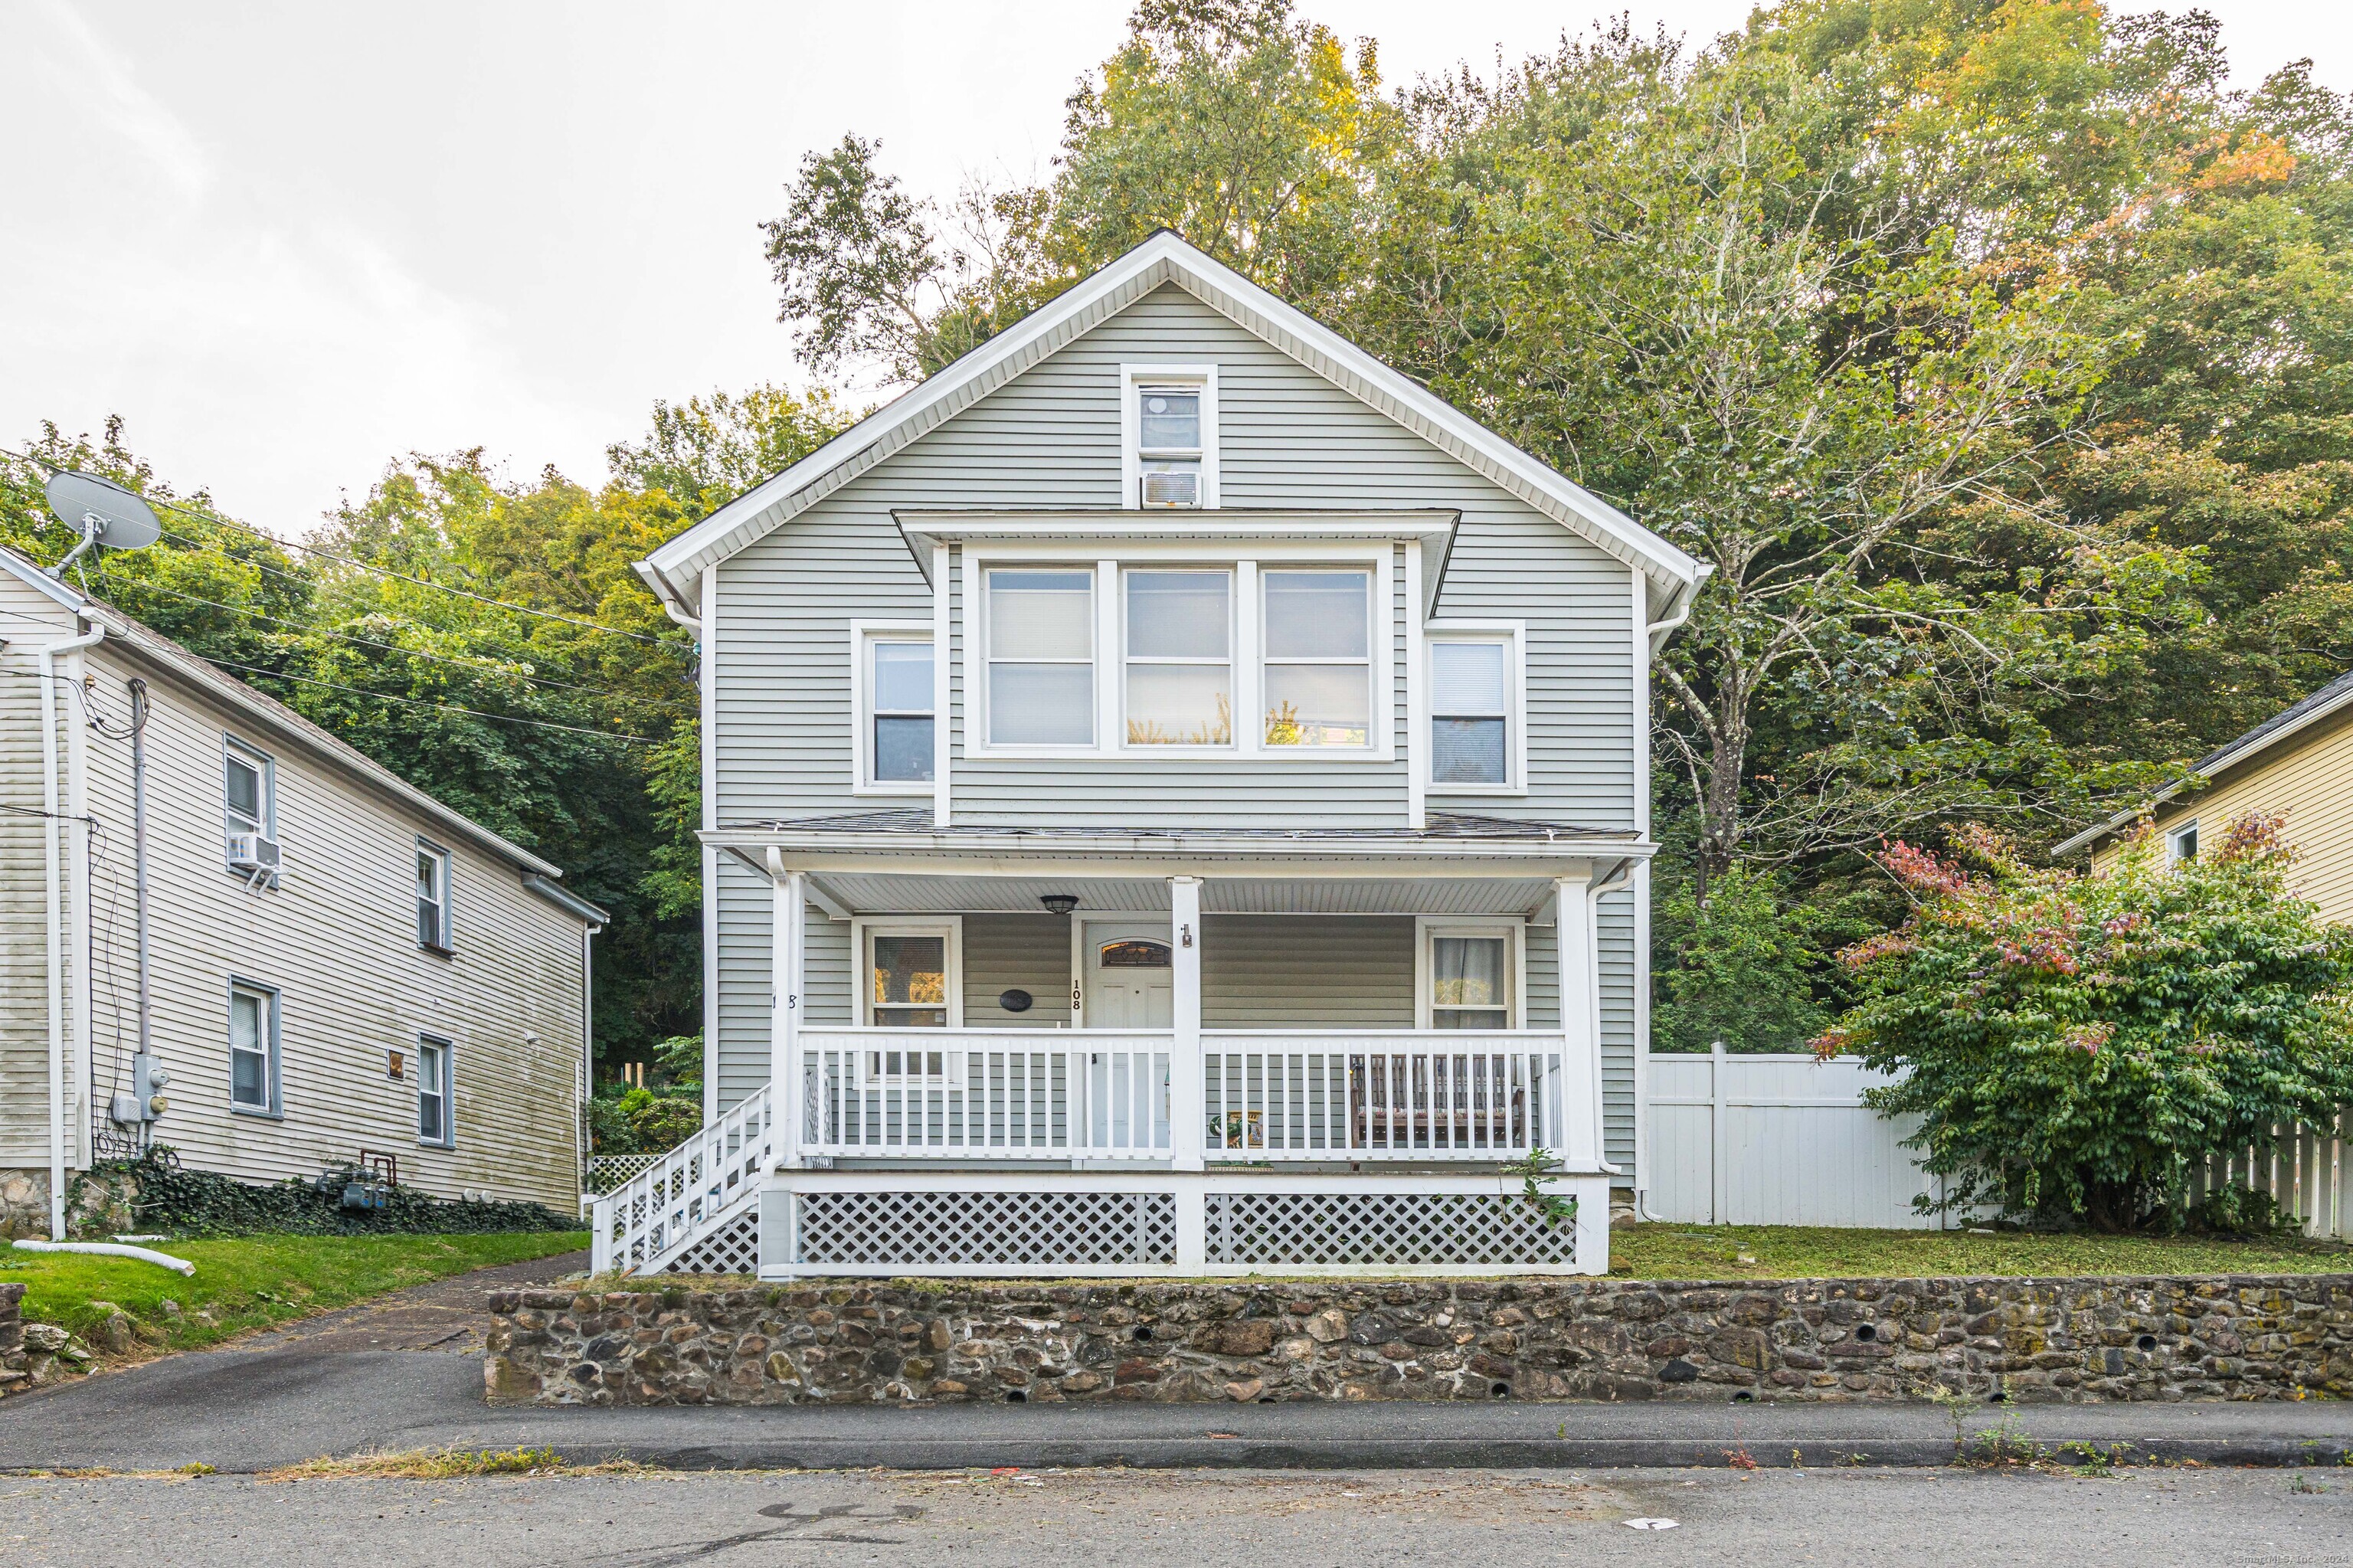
404, 982
1176, 798
2297, 765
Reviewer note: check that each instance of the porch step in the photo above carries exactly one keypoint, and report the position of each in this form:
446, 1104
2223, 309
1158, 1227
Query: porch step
695, 1209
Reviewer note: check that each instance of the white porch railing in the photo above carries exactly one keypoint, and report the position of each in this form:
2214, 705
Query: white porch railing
1469, 1095
1298, 1095
687, 1196
985, 1095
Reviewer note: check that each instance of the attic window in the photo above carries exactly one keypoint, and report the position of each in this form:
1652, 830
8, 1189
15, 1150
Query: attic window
1170, 419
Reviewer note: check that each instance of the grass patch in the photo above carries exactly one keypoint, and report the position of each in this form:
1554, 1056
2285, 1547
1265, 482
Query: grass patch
251, 1282
446, 1464
1811, 1252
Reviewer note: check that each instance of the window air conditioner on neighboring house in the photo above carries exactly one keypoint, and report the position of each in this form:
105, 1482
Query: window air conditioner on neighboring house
253, 852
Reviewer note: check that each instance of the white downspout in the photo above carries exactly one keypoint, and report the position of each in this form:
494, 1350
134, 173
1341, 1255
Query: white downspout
46, 653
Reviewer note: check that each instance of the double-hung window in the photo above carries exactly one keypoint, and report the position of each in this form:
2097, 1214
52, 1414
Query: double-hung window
1317, 667
1476, 737
252, 1048
1470, 981
2181, 844
912, 974
433, 898
248, 794
1041, 649
436, 1067
1180, 670
1168, 444
899, 708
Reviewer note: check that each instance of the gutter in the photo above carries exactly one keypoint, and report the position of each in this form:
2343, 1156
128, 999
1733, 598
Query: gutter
46, 655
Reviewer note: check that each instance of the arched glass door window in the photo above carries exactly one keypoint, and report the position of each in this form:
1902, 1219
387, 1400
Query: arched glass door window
1133, 953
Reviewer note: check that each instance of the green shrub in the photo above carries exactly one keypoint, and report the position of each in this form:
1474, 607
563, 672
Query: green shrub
2076, 1045
204, 1202
1739, 968
642, 1121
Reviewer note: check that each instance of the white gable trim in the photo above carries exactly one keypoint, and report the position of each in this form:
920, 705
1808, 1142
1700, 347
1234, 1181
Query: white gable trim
674, 570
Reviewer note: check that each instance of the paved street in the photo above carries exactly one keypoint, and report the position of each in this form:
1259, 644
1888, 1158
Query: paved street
1201, 1519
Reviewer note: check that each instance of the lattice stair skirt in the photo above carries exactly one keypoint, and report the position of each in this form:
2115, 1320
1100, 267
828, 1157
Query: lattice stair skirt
815, 1224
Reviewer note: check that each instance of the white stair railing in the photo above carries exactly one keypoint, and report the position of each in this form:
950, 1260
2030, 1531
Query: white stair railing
683, 1197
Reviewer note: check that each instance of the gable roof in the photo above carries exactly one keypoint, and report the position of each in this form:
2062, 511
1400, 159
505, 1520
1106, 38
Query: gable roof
675, 570
2291, 720
146, 643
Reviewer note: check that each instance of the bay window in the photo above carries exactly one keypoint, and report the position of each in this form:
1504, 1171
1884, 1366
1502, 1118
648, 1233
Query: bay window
1179, 658
1317, 660
1040, 657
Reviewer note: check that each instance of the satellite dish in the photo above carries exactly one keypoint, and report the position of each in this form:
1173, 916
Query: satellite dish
102, 513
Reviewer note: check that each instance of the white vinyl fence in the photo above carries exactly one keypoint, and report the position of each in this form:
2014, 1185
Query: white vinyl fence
1787, 1140
1776, 1140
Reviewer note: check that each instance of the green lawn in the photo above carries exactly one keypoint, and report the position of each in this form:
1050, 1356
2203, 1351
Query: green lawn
250, 1282
1797, 1252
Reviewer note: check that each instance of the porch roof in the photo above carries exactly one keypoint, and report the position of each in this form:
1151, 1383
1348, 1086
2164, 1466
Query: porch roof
901, 862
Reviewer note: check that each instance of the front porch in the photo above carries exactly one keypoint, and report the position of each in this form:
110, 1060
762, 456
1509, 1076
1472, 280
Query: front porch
1046, 1063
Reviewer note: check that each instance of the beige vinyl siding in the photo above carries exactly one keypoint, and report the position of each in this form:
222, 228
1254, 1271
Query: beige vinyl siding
26, 621
337, 940
2308, 780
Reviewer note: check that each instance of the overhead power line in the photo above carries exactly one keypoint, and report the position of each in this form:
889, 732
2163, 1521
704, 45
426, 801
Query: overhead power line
409, 653
444, 708
249, 529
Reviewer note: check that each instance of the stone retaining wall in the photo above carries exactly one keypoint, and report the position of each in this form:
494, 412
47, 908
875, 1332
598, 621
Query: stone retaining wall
12, 1336
2238, 1337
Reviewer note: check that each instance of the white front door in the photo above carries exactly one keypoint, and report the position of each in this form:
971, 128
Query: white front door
1130, 983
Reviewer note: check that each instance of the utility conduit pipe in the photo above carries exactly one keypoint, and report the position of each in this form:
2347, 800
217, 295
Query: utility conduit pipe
48, 654
113, 1249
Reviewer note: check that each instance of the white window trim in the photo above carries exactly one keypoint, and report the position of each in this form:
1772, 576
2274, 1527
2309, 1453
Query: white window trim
1131, 434
2173, 855
252, 756
1381, 661
979, 632
861, 959
1511, 926
448, 896
1233, 577
1515, 702
448, 1049
272, 1000
863, 635
1249, 563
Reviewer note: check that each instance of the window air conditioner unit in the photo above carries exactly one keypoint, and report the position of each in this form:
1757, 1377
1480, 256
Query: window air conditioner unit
256, 852
1181, 487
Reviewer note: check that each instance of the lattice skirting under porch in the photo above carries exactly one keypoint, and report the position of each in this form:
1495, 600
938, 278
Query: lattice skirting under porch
1400, 1230
732, 1248
973, 1224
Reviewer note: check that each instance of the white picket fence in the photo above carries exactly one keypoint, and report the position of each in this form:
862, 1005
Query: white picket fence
1787, 1140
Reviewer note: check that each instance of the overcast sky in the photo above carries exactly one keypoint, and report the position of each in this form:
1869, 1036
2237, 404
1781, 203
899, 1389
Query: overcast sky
290, 242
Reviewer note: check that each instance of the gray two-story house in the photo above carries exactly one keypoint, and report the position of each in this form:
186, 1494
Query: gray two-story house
1175, 800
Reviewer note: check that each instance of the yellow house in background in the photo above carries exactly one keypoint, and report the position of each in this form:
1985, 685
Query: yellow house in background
2296, 765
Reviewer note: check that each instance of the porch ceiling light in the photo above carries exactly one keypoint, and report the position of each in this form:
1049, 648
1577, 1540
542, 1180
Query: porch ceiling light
1060, 903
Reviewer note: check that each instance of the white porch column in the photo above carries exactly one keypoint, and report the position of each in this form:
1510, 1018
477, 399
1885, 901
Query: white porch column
1187, 1137
785, 961
1186, 1134
1580, 1020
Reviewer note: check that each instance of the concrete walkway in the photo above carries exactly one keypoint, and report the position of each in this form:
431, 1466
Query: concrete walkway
404, 1372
